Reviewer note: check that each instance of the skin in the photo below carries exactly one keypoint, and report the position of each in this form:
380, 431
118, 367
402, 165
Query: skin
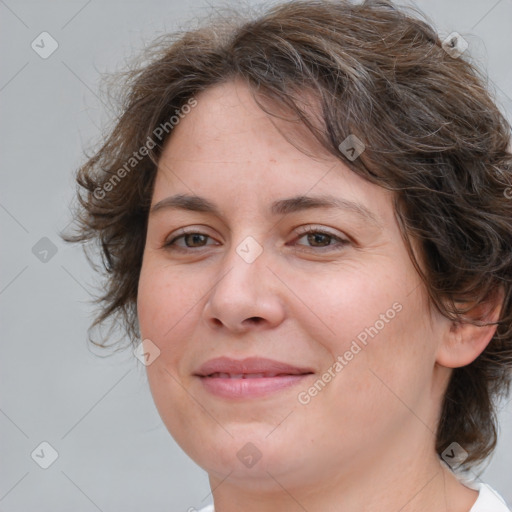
366, 441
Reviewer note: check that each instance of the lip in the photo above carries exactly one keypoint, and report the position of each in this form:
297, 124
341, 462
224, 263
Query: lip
250, 377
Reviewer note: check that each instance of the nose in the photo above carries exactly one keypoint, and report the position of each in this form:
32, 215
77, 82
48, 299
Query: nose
247, 296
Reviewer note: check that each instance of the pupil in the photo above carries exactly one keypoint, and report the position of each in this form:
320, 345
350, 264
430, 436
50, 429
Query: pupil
195, 238
316, 236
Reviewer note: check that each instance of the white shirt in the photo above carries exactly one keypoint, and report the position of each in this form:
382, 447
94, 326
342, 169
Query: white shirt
488, 500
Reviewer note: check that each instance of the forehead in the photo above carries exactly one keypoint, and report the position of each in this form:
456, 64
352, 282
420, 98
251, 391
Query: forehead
228, 147
228, 113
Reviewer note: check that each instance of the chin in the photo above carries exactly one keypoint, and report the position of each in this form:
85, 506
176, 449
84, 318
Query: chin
250, 456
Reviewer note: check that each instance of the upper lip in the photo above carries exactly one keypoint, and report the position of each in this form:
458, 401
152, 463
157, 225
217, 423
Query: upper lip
249, 365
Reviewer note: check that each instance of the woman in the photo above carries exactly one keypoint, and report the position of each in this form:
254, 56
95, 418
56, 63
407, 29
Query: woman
305, 217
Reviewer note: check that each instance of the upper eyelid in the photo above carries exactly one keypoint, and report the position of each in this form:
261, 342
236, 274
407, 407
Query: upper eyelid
304, 229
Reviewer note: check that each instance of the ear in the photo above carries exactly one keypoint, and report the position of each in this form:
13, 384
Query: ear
462, 341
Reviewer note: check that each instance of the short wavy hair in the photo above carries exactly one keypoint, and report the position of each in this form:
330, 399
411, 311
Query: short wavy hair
433, 135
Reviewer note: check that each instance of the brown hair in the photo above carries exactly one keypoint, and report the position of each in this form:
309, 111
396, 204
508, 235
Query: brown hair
432, 134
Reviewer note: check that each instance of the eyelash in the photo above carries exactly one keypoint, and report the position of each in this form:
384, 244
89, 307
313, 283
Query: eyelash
170, 245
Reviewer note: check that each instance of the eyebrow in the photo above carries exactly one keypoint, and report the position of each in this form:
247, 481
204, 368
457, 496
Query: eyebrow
280, 207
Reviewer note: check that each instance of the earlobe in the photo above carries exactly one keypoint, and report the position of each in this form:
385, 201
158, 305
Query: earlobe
464, 341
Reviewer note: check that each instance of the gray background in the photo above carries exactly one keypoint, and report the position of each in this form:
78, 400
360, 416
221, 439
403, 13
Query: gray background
113, 451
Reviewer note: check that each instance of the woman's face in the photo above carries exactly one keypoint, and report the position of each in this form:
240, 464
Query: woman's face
339, 312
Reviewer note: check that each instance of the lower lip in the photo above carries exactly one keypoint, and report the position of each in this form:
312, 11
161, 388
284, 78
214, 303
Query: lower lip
250, 388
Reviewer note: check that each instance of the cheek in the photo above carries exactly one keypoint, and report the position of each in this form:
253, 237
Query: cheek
163, 300
385, 365
351, 304
168, 305
148, 296
378, 331
162, 314
162, 307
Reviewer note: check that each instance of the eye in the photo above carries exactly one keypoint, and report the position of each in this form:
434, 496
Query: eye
318, 238
321, 239
192, 240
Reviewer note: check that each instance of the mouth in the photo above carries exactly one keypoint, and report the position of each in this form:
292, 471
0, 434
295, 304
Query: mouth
249, 378
219, 375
